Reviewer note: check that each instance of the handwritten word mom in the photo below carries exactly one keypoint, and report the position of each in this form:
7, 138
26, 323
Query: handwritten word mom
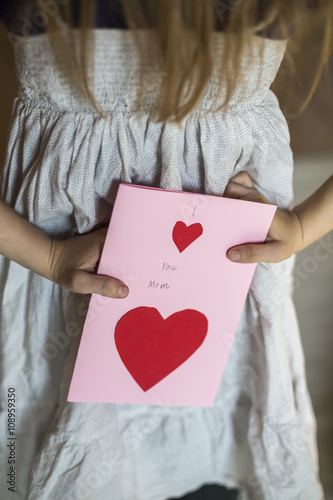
153, 284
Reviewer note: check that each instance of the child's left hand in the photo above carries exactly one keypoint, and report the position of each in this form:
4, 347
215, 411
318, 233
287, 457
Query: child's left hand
73, 263
284, 236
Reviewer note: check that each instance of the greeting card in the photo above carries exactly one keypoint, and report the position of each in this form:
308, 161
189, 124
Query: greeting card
168, 341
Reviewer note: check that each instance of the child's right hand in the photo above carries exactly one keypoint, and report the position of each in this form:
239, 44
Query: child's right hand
73, 264
290, 231
285, 233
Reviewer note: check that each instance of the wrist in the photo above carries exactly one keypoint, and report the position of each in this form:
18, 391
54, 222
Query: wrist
297, 231
54, 252
39, 255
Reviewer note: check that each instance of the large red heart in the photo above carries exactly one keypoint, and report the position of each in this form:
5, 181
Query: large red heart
152, 347
184, 235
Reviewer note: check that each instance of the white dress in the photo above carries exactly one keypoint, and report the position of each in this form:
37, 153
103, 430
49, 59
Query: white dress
61, 172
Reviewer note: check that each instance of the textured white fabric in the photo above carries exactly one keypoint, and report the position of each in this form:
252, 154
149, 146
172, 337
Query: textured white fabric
62, 168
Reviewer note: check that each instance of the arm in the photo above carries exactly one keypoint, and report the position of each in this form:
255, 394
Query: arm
290, 231
70, 263
23, 242
316, 214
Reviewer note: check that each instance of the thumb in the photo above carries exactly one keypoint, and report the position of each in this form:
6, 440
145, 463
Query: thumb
85, 282
260, 252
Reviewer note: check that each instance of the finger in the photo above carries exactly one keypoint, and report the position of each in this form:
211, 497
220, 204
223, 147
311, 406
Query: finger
242, 178
100, 232
241, 192
84, 282
234, 190
93, 247
98, 236
262, 252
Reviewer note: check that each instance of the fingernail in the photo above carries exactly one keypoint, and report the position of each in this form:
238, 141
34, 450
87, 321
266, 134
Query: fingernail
234, 255
123, 292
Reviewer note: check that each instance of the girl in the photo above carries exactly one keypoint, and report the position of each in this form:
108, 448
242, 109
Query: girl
175, 95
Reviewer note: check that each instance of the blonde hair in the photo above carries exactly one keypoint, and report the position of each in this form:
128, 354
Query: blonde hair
181, 35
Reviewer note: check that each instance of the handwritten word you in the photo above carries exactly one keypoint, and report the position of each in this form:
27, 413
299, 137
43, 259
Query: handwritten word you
168, 267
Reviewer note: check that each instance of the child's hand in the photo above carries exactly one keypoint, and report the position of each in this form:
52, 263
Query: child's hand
284, 236
73, 263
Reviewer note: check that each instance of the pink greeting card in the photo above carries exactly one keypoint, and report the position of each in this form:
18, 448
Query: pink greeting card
168, 341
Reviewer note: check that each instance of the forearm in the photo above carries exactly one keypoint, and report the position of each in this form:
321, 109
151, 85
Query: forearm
315, 214
23, 242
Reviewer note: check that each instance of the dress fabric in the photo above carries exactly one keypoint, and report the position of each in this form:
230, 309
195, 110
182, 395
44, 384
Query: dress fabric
61, 172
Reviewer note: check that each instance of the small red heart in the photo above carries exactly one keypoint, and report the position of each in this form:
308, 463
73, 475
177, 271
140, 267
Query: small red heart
152, 347
184, 235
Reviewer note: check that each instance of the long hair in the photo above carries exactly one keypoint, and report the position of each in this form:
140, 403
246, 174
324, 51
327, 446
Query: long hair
180, 45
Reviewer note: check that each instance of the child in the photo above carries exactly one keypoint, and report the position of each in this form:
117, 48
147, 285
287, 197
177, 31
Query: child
67, 151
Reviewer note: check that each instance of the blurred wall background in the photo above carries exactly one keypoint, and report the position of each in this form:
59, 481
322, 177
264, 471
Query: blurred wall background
312, 143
